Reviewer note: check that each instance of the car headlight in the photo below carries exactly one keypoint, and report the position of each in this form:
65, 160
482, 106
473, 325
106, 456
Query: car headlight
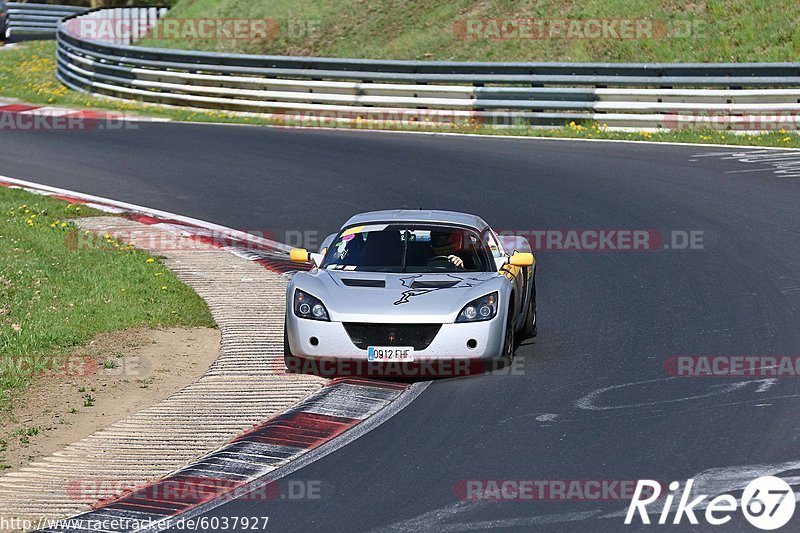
483, 308
307, 306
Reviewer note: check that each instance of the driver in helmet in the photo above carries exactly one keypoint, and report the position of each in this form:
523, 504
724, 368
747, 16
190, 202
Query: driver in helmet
448, 244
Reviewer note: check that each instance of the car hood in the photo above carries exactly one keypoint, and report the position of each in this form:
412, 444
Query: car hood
351, 296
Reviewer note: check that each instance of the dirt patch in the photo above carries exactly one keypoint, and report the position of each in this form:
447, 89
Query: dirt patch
113, 376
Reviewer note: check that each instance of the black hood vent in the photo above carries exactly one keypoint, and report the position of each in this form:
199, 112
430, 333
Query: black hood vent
435, 284
352, 282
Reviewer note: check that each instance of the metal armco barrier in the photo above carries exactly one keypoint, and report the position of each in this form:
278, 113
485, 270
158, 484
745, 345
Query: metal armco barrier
39, 19
746, 96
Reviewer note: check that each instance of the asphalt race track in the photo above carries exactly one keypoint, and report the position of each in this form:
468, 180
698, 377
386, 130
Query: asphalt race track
589, 398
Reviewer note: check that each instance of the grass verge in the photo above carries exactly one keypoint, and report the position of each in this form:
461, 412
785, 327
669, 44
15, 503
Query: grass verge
680, 31
28, 73
59, 287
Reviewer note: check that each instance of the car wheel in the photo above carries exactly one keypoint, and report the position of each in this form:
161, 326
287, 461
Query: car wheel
508, 342
292, 363
530, 330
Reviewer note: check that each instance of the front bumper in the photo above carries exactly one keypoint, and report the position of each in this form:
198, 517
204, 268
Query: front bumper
333, 341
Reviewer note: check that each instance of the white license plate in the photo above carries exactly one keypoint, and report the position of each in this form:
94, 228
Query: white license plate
391, 353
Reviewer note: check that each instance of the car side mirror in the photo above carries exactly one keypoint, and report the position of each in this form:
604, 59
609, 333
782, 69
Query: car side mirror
299, 255
521, 259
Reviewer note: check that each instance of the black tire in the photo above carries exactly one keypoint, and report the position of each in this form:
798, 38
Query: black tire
292, 363
529, 330
509, 345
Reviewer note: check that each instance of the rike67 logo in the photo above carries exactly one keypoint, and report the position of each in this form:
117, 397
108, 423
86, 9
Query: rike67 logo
767, 503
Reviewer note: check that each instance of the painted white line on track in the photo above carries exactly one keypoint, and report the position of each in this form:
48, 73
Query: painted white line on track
249, 237
748, 170
784, 164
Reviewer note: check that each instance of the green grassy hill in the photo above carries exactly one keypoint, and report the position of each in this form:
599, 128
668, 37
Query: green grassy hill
701, 30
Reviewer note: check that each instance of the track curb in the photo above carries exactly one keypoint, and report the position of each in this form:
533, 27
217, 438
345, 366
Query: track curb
250, 464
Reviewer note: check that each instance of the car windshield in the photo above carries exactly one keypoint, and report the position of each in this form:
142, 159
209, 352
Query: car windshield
408, 248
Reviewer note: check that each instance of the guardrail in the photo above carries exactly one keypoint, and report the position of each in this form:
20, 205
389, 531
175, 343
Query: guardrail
36, 19
539, 94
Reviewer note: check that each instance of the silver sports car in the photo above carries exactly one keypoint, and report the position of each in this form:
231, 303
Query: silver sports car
411, 285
